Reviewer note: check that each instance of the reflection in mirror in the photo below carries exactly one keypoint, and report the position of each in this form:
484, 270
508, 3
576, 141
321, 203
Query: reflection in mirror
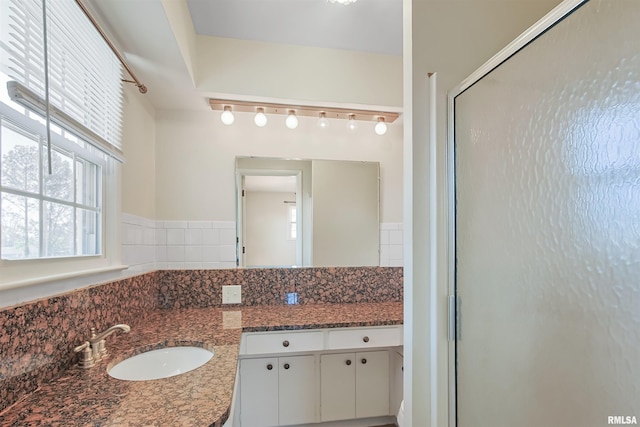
270, 221
307, 212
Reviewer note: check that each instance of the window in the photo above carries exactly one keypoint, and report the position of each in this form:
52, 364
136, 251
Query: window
293, 225
64, 221
43, 216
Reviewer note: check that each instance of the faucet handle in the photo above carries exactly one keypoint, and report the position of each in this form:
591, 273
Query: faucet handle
86, 358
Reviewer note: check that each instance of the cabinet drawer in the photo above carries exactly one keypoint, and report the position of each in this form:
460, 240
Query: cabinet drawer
365, 337
284, 342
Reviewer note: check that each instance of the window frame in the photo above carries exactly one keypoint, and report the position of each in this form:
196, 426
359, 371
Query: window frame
104, 105
27, 271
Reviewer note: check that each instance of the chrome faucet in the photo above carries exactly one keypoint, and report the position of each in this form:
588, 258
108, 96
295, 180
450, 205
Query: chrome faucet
95, 349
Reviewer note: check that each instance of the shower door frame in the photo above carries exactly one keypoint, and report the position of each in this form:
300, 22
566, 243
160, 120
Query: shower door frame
455, 333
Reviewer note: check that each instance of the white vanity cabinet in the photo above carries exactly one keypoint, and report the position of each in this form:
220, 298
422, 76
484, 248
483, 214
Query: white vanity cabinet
283, 342
278, 391
354, 385
317, 375
297, 390
397, 371
259, 392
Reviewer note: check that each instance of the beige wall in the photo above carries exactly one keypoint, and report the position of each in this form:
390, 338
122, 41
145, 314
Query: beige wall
346, 227
451, 39
305, 74
195, 155
138, 140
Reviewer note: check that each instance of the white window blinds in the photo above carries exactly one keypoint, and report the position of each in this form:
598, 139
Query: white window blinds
85, 77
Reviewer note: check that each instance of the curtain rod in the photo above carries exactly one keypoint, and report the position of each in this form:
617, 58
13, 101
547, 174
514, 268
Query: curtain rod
141, 87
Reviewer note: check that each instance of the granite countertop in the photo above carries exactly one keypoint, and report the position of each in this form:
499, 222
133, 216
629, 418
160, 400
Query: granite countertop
198, 398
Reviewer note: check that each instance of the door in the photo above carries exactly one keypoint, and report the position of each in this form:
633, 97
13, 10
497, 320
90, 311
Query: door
297, 390
269, 208
372, 384
337, 386
547, 228
259, 392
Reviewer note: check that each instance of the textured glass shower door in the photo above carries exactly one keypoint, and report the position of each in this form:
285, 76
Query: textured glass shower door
547, 194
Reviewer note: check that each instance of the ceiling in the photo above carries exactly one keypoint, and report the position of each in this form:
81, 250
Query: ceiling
144, 35
373, 26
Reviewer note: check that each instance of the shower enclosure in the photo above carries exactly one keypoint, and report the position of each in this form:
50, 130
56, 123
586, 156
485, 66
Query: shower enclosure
545, 187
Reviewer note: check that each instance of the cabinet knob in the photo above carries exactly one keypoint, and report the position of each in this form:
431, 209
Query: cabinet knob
348, 362
365, 339
286, 366
269, 366
285, 343
364, 361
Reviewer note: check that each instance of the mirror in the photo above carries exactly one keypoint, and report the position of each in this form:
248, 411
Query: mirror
303, 213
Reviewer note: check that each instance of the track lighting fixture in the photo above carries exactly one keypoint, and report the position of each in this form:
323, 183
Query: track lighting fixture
323, 122
353, 117
381, 126
227, 116
352, 125
292, 120
260, 119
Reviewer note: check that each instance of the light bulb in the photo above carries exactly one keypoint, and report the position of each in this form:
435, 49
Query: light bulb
260, 119
227, 116
352, 125
323, 122
381, 126
292, 120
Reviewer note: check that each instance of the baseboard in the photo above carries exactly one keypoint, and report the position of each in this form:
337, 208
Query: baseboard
364, 422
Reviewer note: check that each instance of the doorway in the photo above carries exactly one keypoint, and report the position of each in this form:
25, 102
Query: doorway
269, 210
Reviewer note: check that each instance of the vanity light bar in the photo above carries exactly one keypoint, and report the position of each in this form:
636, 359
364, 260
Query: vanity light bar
306, 111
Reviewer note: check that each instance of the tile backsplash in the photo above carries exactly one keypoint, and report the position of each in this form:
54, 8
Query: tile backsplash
193, 245
149, 245
269, 286
391, 244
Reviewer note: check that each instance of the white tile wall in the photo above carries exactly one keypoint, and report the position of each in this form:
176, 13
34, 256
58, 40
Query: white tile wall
149, 245
196, 244
391, 244
138, 243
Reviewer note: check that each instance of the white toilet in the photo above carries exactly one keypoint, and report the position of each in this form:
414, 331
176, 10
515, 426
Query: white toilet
400, 417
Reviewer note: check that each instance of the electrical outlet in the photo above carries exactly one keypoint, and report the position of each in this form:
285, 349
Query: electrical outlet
232, 294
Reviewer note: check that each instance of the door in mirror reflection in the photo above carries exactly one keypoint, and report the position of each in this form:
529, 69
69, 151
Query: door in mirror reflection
270, 221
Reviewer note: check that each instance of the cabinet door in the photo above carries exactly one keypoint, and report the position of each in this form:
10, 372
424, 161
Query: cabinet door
297, 390
259, 392
337, 386
372, 384
397, 363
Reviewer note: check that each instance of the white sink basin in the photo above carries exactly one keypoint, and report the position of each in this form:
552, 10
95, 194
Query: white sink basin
162, 363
